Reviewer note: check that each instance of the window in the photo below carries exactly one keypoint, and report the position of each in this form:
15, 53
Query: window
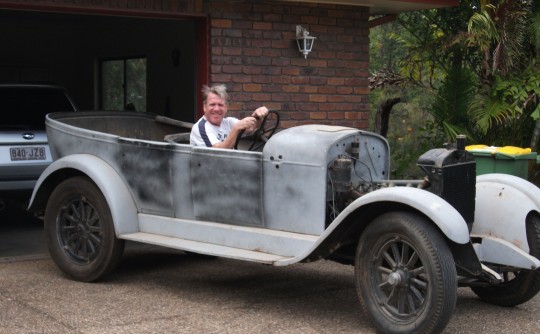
123, 84
26, 107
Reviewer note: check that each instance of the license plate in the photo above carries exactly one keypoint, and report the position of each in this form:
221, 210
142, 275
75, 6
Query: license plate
28, 153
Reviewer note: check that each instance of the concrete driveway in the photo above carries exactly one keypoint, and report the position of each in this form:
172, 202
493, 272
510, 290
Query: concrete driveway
157, 290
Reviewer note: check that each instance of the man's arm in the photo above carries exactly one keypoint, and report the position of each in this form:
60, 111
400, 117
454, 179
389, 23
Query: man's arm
246, 124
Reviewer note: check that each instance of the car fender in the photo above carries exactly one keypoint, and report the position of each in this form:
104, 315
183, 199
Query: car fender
502, 204
445, 216
121, 203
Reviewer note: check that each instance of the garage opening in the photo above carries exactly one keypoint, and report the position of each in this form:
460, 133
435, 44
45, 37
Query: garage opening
105, 61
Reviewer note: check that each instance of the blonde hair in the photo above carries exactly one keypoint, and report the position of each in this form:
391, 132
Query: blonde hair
219, 90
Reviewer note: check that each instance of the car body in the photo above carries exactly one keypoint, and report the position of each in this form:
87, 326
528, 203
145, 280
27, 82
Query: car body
312, 192
24, 151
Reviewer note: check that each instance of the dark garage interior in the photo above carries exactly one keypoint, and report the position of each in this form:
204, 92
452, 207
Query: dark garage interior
69, 49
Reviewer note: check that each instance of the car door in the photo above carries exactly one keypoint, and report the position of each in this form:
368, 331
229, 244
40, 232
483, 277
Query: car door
226, 186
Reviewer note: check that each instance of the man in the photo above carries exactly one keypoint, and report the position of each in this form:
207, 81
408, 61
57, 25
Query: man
216, 130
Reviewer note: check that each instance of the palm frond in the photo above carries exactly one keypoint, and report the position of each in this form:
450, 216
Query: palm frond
450, 106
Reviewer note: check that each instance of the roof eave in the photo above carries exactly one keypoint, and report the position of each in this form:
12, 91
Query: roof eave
385, 7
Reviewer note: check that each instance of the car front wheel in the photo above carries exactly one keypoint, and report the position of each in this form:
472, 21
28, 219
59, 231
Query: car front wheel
405, 275
79, 230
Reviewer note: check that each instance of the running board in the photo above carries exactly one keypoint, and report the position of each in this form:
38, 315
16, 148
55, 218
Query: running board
260, 240
204, 248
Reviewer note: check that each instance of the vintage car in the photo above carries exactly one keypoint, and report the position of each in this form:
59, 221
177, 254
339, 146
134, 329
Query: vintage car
301, 194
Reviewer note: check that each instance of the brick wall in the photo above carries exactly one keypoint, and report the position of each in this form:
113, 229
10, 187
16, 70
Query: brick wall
253, 51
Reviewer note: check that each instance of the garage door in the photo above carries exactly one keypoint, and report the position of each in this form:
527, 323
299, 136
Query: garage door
106, 61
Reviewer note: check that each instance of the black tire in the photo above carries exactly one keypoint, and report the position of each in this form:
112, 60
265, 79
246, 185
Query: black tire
405, 275
518, 286
79, 230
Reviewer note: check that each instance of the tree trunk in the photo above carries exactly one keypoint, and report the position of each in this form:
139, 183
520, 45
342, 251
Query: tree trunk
383, 115
535, 136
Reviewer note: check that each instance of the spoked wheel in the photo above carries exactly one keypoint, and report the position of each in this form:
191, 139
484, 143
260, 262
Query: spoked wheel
518, 286
405, 275
265, 131
79, 230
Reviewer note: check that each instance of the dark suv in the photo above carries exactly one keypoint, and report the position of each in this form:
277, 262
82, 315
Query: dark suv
24, 152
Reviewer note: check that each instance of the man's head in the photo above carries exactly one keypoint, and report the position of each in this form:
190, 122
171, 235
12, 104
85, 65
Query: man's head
215, 103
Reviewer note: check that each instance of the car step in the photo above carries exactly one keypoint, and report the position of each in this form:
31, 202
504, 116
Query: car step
204, 248
260, 240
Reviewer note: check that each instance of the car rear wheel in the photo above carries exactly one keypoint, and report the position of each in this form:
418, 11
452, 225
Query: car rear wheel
79, 230
405, 275
518, 286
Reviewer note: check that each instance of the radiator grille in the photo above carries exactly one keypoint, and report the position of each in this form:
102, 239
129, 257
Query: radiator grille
452, 175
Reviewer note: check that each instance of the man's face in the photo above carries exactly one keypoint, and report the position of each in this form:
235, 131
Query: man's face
214, 109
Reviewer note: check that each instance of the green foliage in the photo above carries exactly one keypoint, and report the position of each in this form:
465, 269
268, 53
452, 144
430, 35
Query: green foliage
450, 106
509, 108
475, 65
385, 47
410, 133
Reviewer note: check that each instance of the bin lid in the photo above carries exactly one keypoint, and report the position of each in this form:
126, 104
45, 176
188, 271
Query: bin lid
505, 152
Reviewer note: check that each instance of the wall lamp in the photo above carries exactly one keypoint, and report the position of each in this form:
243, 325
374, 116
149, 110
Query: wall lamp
304, 41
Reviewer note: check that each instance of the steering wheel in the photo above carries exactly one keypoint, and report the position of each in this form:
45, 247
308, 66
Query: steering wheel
260, 136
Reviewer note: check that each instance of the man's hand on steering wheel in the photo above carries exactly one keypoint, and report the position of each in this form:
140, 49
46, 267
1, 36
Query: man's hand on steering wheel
262, 134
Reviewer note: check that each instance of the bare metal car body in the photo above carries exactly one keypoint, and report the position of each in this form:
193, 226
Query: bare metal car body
313, 192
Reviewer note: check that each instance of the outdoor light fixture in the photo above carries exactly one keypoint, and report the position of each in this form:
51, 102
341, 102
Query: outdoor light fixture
305, 42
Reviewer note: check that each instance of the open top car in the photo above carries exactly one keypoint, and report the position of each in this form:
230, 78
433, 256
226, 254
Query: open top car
306, 193
24, 151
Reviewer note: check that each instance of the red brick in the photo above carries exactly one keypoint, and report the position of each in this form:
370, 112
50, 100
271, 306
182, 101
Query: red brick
290, 89
252, 52
299, 80
317, 81
261, 43
292, 71
282, 79
344, 90
231, 69
308, 89
335, 81
327, 107
336, 115
262, 79
300, 98
270, 53
232, 51
326, 90
288, 124
242, 79
353, 115
361, 90
317, 115
270, 88
299, 115
280, 44
282, 62
281, 97
318, 62
220, 78
317, 98
251, 88
251, 70
220, 23
261, 97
